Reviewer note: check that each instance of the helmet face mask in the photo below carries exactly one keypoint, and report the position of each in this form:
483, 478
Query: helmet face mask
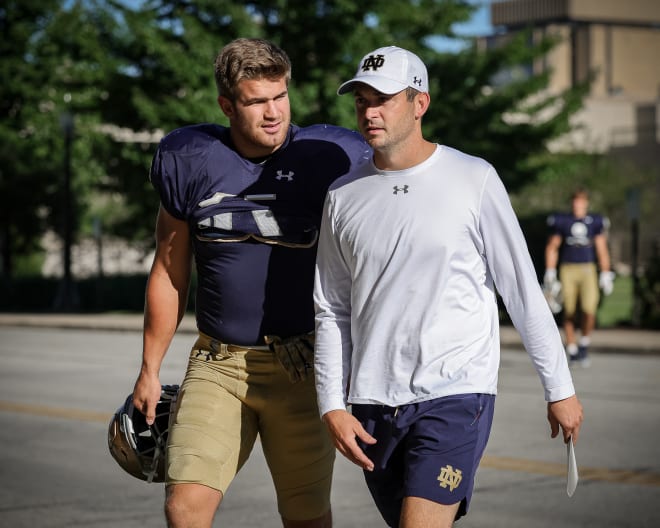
140, 448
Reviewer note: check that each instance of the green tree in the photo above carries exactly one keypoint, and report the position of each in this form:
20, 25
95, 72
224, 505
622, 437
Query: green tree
27, 170
163, 80
130, 74
168, 81
326, 39
55, 66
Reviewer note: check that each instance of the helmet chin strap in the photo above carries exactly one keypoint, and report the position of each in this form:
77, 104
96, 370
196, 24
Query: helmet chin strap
158, 452
151, 472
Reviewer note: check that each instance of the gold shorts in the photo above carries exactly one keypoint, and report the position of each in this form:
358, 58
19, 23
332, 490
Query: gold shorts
579, 282
231, 394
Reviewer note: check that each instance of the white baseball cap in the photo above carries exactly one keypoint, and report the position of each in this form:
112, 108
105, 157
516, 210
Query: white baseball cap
389, 70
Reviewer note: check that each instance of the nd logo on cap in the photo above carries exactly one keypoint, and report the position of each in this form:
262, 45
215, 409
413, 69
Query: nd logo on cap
373, 62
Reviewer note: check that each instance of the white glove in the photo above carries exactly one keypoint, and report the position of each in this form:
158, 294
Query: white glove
550, 282
606, 282
552, 290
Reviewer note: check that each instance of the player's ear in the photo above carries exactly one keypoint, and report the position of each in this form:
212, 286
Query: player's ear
226, 106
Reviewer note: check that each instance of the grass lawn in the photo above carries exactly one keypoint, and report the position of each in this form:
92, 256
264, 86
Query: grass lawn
616, 309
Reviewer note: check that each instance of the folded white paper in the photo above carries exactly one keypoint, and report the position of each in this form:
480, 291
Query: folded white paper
572, 469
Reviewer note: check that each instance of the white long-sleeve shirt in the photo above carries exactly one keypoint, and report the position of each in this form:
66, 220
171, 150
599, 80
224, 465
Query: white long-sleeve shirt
406, 271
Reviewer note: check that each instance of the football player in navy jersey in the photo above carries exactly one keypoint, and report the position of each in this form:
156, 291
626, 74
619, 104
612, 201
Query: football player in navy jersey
244, 204
577, 243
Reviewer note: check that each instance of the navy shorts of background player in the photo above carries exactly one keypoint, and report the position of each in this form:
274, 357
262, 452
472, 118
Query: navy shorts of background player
245, 216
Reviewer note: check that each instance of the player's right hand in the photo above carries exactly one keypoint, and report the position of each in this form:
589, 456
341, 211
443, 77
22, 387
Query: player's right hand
146, 394
344, 429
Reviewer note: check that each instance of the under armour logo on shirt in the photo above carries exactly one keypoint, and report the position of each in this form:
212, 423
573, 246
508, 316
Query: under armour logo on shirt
280, 175
403, 189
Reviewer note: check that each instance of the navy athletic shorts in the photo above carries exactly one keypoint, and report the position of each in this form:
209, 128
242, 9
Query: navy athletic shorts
429, 449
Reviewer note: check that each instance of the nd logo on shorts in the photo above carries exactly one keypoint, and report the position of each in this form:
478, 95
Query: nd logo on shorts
450, 477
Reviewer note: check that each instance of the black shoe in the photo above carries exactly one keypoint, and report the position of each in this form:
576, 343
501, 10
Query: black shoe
582, 357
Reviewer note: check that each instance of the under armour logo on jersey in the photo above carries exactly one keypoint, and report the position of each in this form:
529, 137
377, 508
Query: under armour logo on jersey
280, 175
373, 62
403, 189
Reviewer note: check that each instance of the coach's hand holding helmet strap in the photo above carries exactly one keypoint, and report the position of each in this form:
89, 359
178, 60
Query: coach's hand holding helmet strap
295, 354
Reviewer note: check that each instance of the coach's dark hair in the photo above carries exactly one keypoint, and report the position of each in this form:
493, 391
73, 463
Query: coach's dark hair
249, 58
411, 93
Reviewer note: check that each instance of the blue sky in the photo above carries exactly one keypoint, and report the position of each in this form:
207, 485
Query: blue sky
478, 26
480, 23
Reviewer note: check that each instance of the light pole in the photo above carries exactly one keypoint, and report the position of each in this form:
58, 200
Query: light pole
633, 204
67, 296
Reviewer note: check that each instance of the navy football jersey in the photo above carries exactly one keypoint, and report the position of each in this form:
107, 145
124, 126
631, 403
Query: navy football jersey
254, 226
577, 236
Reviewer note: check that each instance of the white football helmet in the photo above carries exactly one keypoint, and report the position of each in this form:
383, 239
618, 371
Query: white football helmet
137, 447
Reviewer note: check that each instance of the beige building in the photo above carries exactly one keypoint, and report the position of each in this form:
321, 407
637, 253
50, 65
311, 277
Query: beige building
618, 43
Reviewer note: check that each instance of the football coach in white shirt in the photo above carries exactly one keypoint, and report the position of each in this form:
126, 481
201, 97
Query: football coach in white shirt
412, 249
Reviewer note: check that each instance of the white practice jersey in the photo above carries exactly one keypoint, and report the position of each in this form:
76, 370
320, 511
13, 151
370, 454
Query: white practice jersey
407, 267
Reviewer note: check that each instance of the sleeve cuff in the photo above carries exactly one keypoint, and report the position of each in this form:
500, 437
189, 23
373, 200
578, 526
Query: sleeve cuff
330, 404
562, 392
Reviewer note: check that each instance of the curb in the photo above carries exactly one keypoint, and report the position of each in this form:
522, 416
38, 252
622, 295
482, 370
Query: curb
103, 322
604, 341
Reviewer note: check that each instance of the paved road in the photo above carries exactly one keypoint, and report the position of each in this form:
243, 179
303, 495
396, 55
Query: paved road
59, 387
